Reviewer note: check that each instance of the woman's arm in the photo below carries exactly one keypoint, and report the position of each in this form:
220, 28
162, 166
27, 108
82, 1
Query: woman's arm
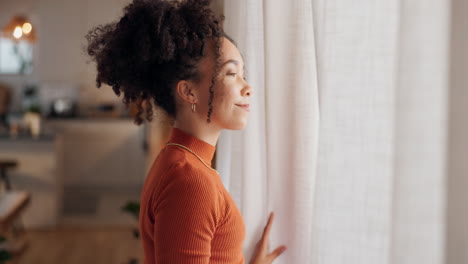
186, 216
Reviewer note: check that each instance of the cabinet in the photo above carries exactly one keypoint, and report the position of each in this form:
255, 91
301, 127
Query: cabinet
104, 166
101, 153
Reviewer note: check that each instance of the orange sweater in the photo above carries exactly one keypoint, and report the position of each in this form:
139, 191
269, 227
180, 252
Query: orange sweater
186, 214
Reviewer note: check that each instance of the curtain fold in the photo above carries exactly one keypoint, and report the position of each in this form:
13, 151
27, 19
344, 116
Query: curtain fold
357, 51
361, 180
273, 161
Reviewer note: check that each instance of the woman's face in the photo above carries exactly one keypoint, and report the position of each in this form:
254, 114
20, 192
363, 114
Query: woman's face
232, 92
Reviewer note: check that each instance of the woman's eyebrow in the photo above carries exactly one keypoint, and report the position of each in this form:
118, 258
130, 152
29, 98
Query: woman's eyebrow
231, 61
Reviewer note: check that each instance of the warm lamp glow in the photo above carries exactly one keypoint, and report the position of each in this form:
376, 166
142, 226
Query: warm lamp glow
18, 32
27, 27
19, 28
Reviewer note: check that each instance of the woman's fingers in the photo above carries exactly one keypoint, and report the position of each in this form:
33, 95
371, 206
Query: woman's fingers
264, 241
273, 255
261, 254
266, 230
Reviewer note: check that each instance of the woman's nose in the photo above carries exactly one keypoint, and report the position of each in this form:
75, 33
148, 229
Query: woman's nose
248, 90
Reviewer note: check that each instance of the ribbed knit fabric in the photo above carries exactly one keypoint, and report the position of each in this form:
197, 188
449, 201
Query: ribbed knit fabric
186, 214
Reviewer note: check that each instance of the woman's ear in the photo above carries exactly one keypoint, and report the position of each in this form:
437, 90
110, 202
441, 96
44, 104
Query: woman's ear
186, 92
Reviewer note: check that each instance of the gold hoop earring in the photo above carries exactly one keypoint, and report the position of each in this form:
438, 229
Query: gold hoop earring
193, 107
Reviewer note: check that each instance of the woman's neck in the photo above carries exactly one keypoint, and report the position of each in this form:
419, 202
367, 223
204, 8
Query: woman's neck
205, 132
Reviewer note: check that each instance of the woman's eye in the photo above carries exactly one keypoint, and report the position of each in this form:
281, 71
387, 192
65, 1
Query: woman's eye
234, 74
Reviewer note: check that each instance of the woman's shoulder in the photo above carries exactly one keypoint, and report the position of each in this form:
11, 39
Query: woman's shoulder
183, 178
179, 163
171, 155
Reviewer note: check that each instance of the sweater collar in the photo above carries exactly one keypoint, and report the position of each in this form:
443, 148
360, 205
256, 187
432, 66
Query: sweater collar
201, 148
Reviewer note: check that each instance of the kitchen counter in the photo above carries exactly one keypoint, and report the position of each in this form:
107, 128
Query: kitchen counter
26, 137
90, 118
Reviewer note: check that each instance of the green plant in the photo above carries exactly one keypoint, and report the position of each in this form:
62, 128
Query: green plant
31, 101
34, 109
132, 208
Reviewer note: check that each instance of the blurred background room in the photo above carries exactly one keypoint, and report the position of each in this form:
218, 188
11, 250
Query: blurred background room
72, 161
358, 138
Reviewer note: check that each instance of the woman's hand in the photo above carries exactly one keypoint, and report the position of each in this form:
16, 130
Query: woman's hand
261, 255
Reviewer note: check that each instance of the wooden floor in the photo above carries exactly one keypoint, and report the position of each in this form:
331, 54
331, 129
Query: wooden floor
114, 245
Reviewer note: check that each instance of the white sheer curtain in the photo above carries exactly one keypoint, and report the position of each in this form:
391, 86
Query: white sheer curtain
364, 183
273, 162
420, 152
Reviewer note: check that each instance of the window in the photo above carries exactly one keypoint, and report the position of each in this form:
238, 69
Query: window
15, 56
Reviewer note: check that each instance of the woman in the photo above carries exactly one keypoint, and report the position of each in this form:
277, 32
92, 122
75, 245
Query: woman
175, 56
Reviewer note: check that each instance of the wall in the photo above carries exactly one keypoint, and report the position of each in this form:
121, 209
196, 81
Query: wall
457, 195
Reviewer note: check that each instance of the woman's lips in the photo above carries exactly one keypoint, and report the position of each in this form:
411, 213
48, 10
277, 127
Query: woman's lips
245, 107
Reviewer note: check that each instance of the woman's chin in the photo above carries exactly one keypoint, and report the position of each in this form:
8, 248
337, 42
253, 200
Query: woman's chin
237, 125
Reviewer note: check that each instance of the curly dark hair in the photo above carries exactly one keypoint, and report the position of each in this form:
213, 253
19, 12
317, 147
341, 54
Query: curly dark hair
155, 44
